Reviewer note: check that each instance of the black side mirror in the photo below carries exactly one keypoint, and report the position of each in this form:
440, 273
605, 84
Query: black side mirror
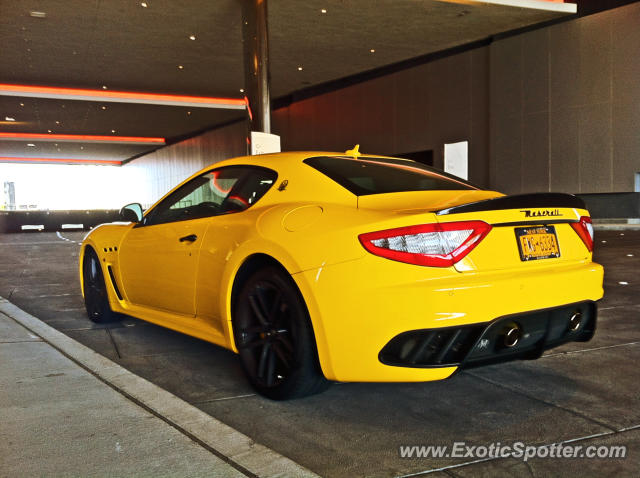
131, 212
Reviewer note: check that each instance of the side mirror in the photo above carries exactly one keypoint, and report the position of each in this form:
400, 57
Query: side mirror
131, 212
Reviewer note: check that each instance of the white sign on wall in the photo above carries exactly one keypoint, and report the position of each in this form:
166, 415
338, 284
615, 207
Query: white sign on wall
263, 143
456, 159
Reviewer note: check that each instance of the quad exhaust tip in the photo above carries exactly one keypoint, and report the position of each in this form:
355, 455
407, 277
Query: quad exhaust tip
512, 335
575, 320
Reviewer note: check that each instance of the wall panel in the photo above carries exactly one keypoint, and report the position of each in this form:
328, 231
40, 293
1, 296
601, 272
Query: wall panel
534, 49
411, 112
564, 160
594, 136
479, 141
535, 152
626, 145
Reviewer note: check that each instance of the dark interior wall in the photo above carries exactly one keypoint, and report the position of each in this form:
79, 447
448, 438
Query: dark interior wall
553, 109
417, 109
565, 106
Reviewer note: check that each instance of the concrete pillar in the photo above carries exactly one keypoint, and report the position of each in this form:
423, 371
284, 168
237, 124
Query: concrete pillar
256, 64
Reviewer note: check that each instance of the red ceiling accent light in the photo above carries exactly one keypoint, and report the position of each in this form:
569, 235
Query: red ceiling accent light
120, 96
10, 159
84, 138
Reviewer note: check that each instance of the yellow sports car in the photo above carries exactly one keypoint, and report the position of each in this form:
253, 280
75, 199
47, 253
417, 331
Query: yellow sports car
341, 266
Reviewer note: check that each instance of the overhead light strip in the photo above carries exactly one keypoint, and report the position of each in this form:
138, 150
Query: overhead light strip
120, 97
11, 159
81, 138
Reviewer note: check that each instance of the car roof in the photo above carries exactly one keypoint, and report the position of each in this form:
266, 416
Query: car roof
288, 158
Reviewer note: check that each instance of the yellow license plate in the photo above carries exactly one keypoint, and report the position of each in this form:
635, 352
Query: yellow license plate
537, 242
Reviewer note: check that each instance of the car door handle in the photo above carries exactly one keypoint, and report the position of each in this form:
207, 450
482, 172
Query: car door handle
189, 238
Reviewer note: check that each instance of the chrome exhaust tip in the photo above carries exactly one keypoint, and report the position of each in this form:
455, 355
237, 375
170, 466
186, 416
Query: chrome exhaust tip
575, 321
512, 335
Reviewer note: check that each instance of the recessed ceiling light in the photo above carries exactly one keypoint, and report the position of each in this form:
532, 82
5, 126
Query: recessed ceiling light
299, 68
21, 104
113, 130
143, 4
9, 118
81, 147
188, 113
35, 14
48, 131
57, 122
104, 87
324, 10
31, 145
180, 67
104, 107
241, 90
372, 50
192, 37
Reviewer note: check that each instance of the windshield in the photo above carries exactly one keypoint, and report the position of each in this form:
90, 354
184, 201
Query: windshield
365, 176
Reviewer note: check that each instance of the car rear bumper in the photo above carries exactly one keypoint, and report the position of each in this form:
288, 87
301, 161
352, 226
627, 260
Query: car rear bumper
519, 336
359, 307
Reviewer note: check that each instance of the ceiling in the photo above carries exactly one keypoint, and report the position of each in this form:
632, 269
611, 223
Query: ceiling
195, 48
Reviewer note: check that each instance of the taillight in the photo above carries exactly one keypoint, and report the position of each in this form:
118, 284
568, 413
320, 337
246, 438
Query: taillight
437, 245
584, 229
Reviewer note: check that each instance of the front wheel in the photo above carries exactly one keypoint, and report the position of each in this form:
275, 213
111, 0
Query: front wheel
275, 339
96, 299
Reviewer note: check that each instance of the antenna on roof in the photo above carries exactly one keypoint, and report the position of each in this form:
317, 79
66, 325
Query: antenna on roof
354, 152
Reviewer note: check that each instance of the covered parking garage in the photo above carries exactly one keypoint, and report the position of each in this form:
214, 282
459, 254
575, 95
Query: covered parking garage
543, 98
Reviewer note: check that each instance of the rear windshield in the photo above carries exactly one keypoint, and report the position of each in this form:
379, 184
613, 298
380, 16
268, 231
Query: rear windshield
365, 176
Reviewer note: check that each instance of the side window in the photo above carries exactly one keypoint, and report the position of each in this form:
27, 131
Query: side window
253, 186
221, 191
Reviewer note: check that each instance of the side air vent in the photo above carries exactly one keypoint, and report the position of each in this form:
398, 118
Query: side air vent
113, 282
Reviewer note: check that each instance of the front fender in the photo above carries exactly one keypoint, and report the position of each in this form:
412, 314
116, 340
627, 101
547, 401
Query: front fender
105, 240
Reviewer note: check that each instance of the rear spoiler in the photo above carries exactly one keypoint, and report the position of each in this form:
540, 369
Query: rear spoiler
556, 200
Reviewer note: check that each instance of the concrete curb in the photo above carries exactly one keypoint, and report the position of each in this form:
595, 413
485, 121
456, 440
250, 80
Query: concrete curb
229, 444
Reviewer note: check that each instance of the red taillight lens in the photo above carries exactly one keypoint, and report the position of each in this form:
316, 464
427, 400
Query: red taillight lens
437, 245
584, 229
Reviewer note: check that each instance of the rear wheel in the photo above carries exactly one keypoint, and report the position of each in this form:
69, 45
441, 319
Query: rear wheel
274, 337
96, 299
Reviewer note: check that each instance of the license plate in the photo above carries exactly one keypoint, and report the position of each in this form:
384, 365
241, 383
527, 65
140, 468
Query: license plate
537, 242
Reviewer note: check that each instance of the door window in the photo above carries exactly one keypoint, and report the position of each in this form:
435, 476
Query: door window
221, 191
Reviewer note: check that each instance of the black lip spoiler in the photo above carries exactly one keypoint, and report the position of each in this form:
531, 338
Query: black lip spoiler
518, 201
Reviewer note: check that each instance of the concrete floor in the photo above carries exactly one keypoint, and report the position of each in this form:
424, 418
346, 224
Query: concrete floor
59, 419
588, 392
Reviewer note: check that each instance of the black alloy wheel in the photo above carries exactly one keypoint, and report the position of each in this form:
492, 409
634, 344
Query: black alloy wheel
275, 339
96, 300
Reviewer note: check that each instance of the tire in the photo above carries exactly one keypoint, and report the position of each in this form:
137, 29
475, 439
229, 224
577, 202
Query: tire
275, 339
96, 299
